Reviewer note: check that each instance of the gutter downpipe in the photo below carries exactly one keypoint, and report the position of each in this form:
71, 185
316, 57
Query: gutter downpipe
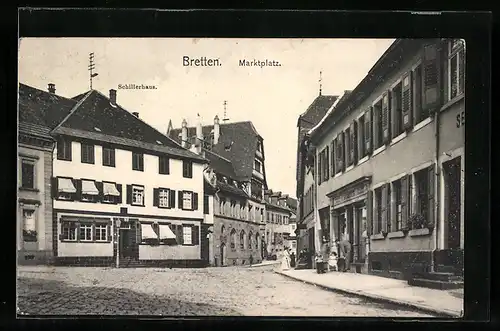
437, 192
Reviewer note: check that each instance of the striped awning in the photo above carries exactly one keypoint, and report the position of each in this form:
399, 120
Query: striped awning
110, 189
166, 233
88, 187
148, 232
65, 185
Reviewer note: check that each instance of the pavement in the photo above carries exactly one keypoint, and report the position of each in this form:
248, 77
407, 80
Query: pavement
228, 291
440, 302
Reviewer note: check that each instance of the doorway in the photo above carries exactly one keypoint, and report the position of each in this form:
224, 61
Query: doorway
223, 255
453, 193
361, 227
127, 243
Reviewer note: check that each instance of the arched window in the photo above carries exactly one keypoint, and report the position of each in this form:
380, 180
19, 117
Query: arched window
242, 239
233, 239
222, 230
250, 240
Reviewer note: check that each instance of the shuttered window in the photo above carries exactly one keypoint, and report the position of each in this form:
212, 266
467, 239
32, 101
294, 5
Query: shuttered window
385, 119
87, 153
456, 67
407, 103
361, 137
368, 131
332, 158
431, 79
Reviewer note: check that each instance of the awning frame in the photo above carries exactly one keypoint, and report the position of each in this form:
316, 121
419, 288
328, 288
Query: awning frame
166, 233
68, 188
91, 189
113, 192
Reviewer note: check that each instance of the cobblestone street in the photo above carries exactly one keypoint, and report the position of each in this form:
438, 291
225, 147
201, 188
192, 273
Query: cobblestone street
230, 291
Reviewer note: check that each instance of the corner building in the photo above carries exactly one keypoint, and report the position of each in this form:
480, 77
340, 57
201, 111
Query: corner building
390, 162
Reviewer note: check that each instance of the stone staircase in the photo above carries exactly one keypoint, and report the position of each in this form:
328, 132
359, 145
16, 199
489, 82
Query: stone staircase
437, 280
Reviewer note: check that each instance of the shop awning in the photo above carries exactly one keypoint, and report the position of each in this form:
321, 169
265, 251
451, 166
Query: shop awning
110, 189
148, 232
65, 185
166, 233
88, 187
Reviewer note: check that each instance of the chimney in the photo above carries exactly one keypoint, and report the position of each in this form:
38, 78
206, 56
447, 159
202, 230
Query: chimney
112, 97
184, 134
136, 114
216, 130
199, 136
52, 88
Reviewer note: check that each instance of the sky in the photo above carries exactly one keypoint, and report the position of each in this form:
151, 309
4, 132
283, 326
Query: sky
272, 97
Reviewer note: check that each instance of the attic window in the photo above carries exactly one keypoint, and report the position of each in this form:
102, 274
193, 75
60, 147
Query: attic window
159, 142
97, 129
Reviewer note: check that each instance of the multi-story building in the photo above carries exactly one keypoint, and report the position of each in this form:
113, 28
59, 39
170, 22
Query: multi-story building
291, 241
39, 112
278, 228
306, 227
235, 180
122, 191
390, 162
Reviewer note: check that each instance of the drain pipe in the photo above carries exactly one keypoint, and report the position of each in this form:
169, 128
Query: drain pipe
437, 192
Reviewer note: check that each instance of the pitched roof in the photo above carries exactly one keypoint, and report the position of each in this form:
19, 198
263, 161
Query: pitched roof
331, 110
241, 154
220, 165
292, 203
231, 189
317, 109
94, 117
41, 108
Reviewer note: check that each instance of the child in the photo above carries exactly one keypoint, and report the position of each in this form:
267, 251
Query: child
332, 261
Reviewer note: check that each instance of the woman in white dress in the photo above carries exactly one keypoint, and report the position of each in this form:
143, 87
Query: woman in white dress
285, 262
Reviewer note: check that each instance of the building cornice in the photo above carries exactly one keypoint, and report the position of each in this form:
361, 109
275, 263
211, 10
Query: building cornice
30, 140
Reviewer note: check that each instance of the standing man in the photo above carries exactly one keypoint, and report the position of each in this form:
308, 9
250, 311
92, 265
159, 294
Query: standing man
345, 252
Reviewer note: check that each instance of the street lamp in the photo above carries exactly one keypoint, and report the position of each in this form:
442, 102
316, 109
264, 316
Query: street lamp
117, 225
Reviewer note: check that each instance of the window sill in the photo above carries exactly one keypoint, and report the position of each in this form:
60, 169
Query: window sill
29, 189
138, 205
138, 170
63, 159
88, 162
453, 101
337, 175
398, 138
379, 150
109, 165
349, 168
378, 236
363, 160
397, 234
421, 124
419, 232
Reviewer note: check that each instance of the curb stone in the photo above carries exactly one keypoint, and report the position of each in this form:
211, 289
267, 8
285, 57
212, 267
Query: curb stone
360, 293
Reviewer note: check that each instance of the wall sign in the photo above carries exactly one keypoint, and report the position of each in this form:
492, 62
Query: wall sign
461, 119
350, 194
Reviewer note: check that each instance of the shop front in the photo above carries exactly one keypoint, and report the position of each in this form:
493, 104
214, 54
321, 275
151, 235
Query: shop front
348, 212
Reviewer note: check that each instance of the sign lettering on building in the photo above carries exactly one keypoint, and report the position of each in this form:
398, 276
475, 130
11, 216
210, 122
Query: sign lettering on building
350, 194
461, 119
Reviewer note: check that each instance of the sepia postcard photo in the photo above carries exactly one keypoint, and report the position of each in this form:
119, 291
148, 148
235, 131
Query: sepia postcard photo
241, 177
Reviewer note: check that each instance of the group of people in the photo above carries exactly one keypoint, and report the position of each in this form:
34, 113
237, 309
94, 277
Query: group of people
326, 260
